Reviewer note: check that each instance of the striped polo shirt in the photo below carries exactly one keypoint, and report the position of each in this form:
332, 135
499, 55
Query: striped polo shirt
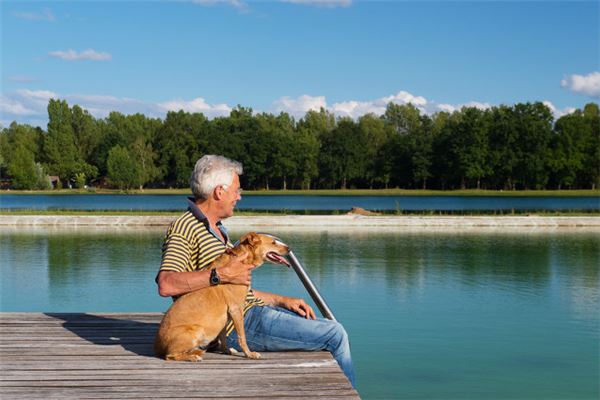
191, 245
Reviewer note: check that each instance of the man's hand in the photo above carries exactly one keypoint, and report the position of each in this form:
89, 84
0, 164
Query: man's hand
298, 306
236, 272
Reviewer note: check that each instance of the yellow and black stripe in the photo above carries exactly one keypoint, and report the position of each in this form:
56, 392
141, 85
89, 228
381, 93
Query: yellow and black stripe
190, 245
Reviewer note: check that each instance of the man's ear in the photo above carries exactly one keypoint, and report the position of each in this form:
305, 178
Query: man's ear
218, 192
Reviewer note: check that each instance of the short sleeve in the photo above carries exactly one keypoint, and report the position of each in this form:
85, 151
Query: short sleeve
176, 254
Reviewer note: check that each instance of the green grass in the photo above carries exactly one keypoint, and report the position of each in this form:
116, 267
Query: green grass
336, 192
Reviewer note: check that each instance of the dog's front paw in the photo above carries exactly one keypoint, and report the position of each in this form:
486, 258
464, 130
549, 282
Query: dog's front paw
254, 355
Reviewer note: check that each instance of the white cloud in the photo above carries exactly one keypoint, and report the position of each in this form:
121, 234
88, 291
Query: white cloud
558, 112
299, 106
378, 106
588, 85
25, 103
89, 54
351, 108
14, 107
45, 15
446, 107
403, 97
196, 105
238, 4
38, 95
30, 106
321, 3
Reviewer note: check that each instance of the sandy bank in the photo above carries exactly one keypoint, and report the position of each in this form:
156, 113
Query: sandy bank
314, 221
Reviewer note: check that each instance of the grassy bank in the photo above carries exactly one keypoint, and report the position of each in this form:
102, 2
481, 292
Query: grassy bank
307, 212
337, 192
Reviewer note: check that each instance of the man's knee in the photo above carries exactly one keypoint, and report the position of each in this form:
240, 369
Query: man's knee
339, 337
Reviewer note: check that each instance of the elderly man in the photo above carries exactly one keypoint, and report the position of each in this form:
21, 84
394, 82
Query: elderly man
272, 322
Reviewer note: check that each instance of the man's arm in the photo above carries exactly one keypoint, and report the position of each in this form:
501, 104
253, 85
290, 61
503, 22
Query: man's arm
296, 305
171, 283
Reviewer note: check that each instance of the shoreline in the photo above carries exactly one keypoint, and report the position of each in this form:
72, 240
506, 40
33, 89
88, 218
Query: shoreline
313, 222
323, 192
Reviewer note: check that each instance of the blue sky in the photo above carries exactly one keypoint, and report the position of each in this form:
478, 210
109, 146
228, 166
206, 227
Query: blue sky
351, 57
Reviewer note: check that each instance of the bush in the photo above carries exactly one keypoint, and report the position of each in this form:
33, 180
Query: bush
80, 180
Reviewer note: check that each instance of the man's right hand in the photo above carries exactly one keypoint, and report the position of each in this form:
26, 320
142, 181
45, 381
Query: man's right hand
236, 271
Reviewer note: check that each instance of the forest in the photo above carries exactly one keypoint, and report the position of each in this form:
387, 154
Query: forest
506, 147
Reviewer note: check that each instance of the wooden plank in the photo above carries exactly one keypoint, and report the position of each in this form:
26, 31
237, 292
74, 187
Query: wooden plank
117, 392
110, 356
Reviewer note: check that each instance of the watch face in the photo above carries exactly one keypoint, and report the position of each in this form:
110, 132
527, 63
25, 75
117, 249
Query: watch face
214, 278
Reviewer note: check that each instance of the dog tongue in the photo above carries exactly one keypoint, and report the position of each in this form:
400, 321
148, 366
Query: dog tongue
277, 259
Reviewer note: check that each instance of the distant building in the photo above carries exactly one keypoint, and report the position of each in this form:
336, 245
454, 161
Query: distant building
54, 180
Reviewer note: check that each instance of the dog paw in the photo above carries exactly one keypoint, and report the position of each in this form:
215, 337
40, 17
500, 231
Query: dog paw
254, 355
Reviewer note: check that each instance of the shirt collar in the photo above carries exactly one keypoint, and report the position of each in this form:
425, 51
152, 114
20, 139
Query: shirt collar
197, 212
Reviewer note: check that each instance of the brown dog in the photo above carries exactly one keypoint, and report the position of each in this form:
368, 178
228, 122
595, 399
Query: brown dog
197, 318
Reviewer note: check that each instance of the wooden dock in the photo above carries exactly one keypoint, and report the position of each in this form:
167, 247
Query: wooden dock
109, 356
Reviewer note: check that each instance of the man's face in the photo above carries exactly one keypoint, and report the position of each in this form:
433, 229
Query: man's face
231, 195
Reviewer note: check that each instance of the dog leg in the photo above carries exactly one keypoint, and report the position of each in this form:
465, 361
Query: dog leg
237, 317
191, 355
223, 342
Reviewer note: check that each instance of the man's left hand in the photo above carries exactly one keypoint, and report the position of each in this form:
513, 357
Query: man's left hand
298, 306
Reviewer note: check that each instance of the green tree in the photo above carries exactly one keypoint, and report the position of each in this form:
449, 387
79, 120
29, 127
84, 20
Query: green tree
342, 154
534, 126
22, 169
469, 145
180, 141
122, 168
278, 136
420, 146
568, 143
405, 121
62, 156
311, 130
86, 134
440, 158
503, 143
377, 135
590, 176
59, 146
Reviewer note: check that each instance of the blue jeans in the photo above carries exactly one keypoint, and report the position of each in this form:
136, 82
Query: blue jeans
276, 329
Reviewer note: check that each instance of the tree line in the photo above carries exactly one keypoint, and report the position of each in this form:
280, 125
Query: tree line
504, 147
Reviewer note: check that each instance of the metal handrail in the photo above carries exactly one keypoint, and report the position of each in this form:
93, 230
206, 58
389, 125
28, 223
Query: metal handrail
306, 281
310, 287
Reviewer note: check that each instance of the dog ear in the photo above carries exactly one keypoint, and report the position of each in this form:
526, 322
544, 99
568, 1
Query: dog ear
229, 251
250, 238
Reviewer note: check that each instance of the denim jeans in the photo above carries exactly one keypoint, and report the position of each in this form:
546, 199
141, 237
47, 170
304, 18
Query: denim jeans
276, 329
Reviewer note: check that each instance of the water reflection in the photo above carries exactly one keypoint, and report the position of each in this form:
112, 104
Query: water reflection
430, 313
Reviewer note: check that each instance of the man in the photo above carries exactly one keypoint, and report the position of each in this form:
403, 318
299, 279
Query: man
272, 322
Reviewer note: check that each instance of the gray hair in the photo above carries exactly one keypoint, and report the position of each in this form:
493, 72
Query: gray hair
212, 171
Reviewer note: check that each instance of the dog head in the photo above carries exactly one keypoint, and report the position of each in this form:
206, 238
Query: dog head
266, 248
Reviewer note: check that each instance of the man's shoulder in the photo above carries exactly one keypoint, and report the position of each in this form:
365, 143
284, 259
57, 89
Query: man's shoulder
186, 224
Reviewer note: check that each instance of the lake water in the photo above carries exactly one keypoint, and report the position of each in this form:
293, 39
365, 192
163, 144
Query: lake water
325, 203
436, 315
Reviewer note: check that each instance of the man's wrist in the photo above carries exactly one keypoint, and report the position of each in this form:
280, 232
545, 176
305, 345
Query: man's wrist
214, 277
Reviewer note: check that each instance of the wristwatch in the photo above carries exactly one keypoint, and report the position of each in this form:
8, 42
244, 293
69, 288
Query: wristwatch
214, 277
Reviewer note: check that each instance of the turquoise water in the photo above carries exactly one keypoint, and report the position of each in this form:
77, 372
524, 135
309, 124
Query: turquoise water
275, 202
444, 315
